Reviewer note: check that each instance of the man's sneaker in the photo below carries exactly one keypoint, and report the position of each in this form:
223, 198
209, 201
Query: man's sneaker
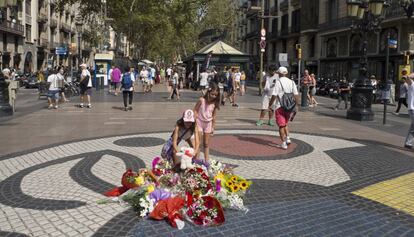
50, 107
259, 123
271, 123
288, 141
81, 106
89, 106
56, 107
130, 107
395, 113
284, 146
126, 109
408, 146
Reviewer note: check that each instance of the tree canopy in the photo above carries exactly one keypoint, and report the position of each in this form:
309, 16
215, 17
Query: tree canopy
162, 29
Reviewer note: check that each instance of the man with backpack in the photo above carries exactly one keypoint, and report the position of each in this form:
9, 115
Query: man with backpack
286, 95
127, 86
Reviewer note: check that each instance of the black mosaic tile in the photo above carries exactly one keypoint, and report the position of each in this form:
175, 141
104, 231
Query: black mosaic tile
140, 142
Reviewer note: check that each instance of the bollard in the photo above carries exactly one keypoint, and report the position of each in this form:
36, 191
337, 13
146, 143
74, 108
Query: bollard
304, 97
102, 82
97, 81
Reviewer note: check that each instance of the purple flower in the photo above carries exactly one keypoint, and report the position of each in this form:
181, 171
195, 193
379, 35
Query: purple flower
155, 162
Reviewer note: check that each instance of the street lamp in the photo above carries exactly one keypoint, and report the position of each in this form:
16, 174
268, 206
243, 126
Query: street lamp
368, 15
78, 25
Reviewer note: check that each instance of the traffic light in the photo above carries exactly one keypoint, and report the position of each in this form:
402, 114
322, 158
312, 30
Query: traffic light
299, 51
407, 57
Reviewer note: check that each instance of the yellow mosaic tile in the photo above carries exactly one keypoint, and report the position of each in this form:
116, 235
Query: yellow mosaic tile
397, 193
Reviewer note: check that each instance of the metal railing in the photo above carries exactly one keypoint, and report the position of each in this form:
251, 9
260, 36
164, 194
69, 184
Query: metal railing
15, 28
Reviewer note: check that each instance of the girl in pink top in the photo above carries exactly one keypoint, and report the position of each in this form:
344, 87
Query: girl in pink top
205, 110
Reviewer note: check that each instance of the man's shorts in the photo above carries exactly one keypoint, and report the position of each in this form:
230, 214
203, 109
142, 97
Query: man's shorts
86, 91
265, 102
53, 94
282, 117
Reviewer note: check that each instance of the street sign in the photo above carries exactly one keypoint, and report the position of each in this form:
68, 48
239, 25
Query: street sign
392, 44
263, 33
61, 51
263, 38
262, 44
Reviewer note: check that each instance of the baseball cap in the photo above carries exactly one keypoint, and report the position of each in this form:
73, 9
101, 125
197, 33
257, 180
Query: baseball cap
188, 116
282, 70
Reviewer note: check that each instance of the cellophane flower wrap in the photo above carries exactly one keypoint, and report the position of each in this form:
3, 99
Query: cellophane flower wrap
205, 211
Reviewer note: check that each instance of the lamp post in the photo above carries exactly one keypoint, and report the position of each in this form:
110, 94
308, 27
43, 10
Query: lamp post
368, 15
79, 31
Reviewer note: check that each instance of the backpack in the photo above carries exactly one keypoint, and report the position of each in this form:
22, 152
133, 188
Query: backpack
288, 101
126, 81
84, 83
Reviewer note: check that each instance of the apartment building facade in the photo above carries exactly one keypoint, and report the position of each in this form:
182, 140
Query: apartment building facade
322, 28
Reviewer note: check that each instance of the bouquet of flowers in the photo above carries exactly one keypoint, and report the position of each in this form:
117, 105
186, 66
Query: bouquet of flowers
160, 166
205, 211
140, 200
195, 181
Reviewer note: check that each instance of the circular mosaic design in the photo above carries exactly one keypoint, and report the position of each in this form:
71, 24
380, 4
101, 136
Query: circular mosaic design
256, 147
140, 142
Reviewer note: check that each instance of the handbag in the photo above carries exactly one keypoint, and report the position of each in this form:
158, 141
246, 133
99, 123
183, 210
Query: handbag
167, 148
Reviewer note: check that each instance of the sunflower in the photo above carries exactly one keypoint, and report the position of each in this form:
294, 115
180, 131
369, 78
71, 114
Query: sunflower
229, 183
234, 178
235, 188
150, 188
244, 184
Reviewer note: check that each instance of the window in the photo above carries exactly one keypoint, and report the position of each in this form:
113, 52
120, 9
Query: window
275, 25
331, 47
28, 33
355, 45
311, 49
29, 7
343, 45
332, 10
296, 21
285, 23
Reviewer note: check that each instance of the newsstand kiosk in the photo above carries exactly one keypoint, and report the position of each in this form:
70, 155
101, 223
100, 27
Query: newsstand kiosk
103, 62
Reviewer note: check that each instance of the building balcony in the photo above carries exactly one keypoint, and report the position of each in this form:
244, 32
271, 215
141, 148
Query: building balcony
295, 3
42, 17
28, 19
284, 5
43, 42
53, 22
65, 27
252, 34
14, 28
340, 23
53, 45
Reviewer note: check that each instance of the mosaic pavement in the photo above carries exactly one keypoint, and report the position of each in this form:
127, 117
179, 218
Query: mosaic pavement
320, 186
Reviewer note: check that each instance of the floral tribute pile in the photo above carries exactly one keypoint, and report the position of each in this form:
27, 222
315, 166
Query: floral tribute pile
198, 195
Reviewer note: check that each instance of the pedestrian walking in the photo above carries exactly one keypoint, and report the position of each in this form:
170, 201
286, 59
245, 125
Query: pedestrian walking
127, 86
268, 87
232, 88
410, 102
206, 109
144, 77
225, 83
242, 83
185, 129
312, 91
306, 83
61, 83
110, 79
402, 98
203, 81
116, 79
85, 87
53, 92
287, 99
174, 84
343, 94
